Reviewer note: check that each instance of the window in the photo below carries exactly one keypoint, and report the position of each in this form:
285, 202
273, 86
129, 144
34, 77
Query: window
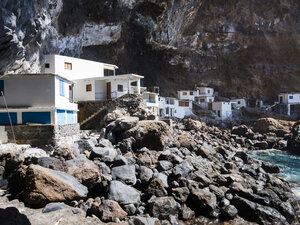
70, 87
120, 88
239, 102
202, 100
167, 111
191, 93
210, 100
1, 87
291, 97
108, 72
208, 91
184, 93
68, 66
88, 87
61, 88
47, 65
156, 89
183, 104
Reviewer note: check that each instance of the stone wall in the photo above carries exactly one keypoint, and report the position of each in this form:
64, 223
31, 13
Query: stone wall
43, 135
88, 108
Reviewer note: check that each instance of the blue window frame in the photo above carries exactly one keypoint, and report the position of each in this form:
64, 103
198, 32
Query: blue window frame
36, 117
291, 97
70, 117
61, 87
1, 87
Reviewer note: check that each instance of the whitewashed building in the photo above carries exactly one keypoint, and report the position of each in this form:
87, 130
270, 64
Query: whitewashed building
37, 99
238, 103
93, 81
222, 109
289, 98
186, 95
183, 108
166, 106
205, 91
151, 100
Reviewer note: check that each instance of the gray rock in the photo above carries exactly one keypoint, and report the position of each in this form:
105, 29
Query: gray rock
124, 173
120, 161
34, 153
54, 206
180, 194
202, 200
182, 169
160, 206
145, 174
85, 144
164, 165
106, 154
53, 163
139, 220
163, 178
122, 193
229, 212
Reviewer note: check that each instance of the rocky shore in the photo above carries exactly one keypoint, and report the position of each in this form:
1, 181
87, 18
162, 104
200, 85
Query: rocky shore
145, 172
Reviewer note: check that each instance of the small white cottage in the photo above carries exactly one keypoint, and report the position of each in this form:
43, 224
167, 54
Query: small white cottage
289, 98
222, 109
38, 99
238, 103
186, 95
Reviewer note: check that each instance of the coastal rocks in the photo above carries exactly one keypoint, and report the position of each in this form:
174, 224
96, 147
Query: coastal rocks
105, 153
270, 168
154, 135
163, 206
122, 193
191, 124
44, 185
266, 125
110, 210
10, 157
202, 200
84, 170
294, 141
64, 151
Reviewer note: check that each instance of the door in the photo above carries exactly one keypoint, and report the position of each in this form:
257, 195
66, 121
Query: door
81, 114
108, 90
281, 99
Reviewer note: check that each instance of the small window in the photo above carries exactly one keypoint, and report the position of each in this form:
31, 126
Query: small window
68, 66
1, 87
184, 93
202, 100
291, 97
120, 88
70, 88
208, 91
191, 93
239, 102
88, 87
61, 88
183, 104
47, 65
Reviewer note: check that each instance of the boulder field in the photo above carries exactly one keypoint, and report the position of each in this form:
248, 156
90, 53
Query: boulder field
148, 172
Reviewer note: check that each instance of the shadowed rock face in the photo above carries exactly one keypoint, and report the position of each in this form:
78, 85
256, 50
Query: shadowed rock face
245, 48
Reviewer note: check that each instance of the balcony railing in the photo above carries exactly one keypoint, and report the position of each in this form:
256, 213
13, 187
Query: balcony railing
151, 101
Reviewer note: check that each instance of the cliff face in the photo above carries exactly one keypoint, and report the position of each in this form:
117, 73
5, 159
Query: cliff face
245, 48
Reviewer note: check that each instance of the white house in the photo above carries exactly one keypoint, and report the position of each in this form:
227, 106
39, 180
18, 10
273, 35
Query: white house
166, 106
222, 109
107, 87
238, 103
186, 95
183, 108
205, 91
38, 99
151, 100
289, 98
75, 68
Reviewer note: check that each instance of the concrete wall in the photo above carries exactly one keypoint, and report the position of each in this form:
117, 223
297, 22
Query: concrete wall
80, 93
188, 96
40, 135
80, 68
63, 102
239, 102
29, 91
181, 112
205, 91
286, 98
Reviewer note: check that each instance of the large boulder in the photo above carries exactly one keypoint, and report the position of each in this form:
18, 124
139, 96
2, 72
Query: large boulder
183, 140
34, 153
267, 125
191, 124
11, 156
44, 185
294, 141
122, 193
162, 206
53, 163
202, 200
240, 130
65, 151
104, 153
84, 170
154, 135
124, 173
110, 210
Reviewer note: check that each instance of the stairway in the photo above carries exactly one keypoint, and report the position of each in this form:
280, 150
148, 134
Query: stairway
92, 116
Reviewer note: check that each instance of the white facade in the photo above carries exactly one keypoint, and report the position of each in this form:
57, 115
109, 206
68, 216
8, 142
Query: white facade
37, 98
238, 103
75, 68
152, 102
166, 107
108, 87
186, 95
289, 98
222, 109
205, 91
204, 99
183, 108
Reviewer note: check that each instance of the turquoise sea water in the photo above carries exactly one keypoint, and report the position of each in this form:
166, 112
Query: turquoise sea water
289, 162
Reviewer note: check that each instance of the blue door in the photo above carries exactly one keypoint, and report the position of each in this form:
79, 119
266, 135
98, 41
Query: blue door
70, 117
4, 119
61, 117
36, 117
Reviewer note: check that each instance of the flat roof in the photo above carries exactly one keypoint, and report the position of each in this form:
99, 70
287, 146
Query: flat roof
122, 76
185, 90
34, 74
290, 93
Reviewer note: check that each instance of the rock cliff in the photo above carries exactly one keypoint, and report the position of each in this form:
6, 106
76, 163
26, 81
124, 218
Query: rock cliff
246, 48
